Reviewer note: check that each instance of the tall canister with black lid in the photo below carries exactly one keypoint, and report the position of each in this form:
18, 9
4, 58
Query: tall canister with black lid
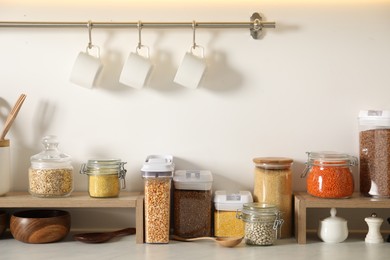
374, 142
192, 199
157, 173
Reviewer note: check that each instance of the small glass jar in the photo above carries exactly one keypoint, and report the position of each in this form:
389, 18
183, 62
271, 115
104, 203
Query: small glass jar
157, 172
51, 172
192, 203
105, 177
329, 174
226, 205
262, 223
273, 185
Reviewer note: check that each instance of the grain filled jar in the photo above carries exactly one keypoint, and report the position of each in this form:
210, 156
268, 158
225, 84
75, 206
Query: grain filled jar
226, 205
273, 185
157, 172
374, 153
262, 223
192, 203
51, 171
105, 177
328, 174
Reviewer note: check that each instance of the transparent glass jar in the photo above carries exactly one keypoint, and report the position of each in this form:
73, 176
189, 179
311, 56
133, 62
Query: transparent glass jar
273, 185
374, 153
262, 223
105, 177
328, 174
51, 172
157, 172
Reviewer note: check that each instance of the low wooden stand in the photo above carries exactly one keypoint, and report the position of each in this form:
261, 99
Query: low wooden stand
81, 200
304, 201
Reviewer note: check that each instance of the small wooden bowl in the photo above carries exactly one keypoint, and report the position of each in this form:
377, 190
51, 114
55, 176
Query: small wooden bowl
3, 221
40, 226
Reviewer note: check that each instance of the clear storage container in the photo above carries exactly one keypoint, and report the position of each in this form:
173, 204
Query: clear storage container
51, 171
157, 172
374, 142
192, 199
226, 205
329, 174
273, 185
262, 223
5, 167
105, 177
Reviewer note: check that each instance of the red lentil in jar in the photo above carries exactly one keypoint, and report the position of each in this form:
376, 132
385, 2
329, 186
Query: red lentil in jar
329, 174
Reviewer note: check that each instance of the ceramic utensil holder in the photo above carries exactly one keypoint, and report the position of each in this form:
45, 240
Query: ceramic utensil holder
5, 166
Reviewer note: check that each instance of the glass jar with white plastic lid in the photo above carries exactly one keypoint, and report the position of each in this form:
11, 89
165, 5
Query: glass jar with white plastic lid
51, 171
105, 177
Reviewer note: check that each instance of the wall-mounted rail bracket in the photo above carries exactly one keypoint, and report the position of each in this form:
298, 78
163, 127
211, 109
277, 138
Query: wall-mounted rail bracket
257, 26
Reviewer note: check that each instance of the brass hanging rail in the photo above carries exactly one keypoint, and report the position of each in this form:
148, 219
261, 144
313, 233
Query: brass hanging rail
255, 25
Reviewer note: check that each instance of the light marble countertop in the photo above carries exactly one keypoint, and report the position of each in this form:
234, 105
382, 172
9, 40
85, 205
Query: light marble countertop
126, 248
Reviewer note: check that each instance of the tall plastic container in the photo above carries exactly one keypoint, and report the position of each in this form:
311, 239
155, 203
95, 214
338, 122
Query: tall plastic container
273, 185
374, 153
192, 199
157, 172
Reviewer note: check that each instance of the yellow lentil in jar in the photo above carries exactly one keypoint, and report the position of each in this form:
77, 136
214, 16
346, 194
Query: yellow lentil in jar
104, 185
226, 224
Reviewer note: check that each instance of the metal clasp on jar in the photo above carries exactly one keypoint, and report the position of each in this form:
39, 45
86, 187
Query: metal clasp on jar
122, 174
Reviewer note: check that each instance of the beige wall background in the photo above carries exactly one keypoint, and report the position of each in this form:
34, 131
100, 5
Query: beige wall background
298, 89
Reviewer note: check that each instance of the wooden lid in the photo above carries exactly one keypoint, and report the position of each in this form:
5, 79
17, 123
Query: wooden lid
272, 160
4, 143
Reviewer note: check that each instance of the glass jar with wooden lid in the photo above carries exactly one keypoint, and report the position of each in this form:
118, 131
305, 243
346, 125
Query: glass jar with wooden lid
273, 185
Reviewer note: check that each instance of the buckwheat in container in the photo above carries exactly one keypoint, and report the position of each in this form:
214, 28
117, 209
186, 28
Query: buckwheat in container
374, 140
192, 199
157, 172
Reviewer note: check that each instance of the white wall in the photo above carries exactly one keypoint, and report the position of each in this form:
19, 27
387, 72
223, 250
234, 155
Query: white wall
298, 89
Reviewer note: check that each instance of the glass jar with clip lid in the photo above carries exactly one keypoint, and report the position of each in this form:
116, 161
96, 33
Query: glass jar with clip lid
105, 177
262, 223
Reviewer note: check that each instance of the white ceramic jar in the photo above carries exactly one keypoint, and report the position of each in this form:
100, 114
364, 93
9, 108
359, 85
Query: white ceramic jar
333, 229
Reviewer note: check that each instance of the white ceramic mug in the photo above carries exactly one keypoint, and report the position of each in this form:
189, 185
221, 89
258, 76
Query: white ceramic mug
5, 167
191, 69
136, 70
86, 69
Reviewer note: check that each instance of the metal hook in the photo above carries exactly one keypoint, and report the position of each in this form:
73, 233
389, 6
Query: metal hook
89, 25
193, 34
139, 25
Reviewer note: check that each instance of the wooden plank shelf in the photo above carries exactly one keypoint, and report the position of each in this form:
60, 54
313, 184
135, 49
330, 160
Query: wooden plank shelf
303, 201
80, 200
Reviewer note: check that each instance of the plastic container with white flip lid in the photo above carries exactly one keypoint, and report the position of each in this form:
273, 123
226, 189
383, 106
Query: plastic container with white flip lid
157, 172
226, 205
192, 200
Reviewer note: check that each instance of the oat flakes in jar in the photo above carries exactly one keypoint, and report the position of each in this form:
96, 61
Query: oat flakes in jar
273, 185
262, 223
51, 171
157, 172
105, 177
